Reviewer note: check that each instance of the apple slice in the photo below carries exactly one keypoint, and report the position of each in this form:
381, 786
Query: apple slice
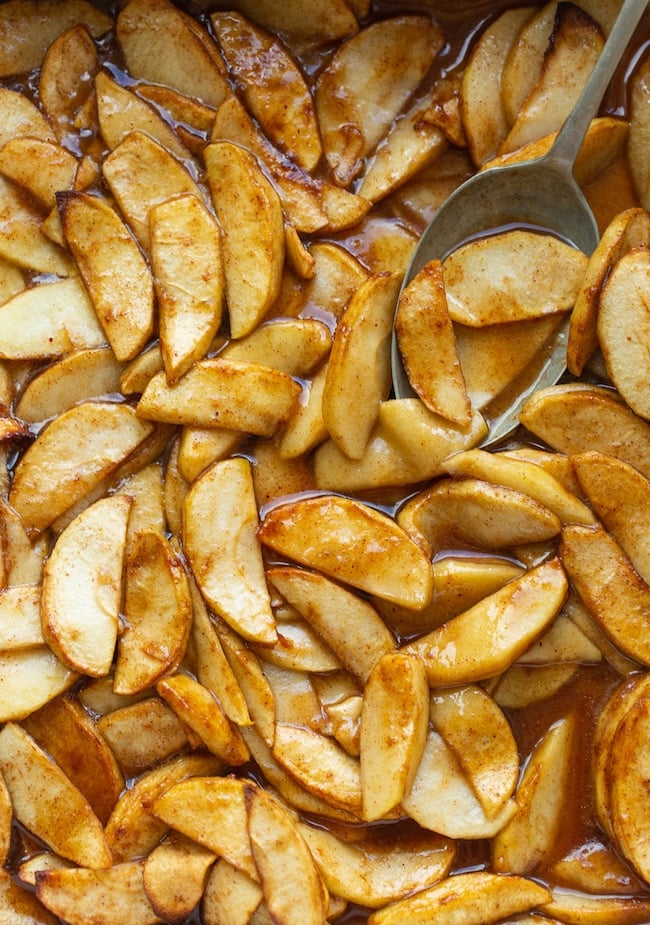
174, 876
48, 320
482, 895
72, 456
78, 375
273, 86
113, 269
82, 587
250, 214
140, 173
69, 60
223, 393
428, 346
577, 417
610, 587
30, 678
27, 29
394, 722
351, 542
620, 495
120, 111
46, 802
111, 895
371, 874
188, 314
358, 372
354, 121
624, 328
158, 613
345, 621
284, 862
147, 29
219, 537
484, 640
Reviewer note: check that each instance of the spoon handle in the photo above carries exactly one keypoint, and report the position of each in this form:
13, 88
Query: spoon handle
569, 140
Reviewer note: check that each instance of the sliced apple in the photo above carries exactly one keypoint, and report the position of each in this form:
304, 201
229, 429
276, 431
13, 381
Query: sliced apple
487, 638
351, 542
218, 392
226, 560
358, 372
394, 722
145, 31
512, 276
46, 802
30, 678
92, 438
428, 346
623, 327
353, 122
274, 88
250, 214
109, 895
82, 587
189, 313
610, 587
158, 613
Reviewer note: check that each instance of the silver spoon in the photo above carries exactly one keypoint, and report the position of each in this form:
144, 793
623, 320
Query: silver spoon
542, 193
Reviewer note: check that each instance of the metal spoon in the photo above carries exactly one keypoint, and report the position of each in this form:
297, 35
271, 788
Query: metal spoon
542, 193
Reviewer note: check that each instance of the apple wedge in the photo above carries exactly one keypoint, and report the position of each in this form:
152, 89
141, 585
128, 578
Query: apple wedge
627, 230
358, 372
226, 559
482, 895
132, 830
157, 610
481, 105
78, 375
354, 121
531, 836
223, 393
110, 895
604, 578
40, 166
273, 86
512, 276
577, 417
30, 678
113, 269
174, 876
441, 799
70, 457
48, 320
394, 722
141, 173
574, 46
624, 328
428, 346
120, 111
22, 240
212, 811
343, 620
620, 495
484, 640
189, 314
46, 802
68, 61
250, 214
351, 542
639, 90
480, 736
27, 29
82, 587
146, 29
284, 862
371, 874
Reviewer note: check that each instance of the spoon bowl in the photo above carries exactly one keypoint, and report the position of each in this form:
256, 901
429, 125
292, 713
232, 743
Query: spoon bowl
540, 194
